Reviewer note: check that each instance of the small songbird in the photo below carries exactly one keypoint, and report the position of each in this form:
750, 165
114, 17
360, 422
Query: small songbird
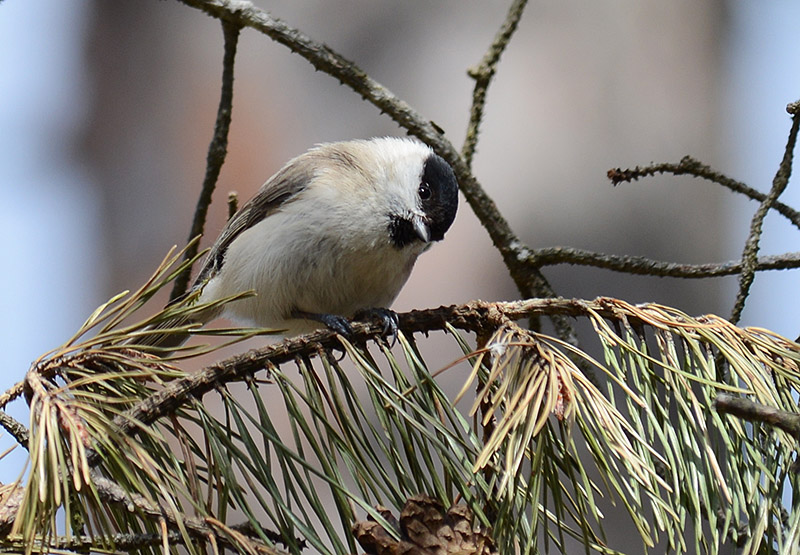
335, 232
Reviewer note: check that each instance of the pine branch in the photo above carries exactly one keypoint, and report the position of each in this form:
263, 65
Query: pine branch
746, 409
480, 317
199, 528
407, 436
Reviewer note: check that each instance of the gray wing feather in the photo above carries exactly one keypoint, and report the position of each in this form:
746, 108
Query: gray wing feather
279, 189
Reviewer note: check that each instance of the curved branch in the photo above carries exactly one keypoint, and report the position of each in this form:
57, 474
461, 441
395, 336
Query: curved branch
480, 317
693, 167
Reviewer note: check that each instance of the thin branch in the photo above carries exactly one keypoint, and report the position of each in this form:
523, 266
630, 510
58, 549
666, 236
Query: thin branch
87, 544
217, 150
11, 393
111, 492
483, 74
121, 542
693, 167
749, 410
779, 183
638, 265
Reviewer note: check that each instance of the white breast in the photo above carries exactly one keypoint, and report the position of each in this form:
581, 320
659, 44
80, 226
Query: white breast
304, 261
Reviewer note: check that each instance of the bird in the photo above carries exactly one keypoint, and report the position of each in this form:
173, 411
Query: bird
335, 233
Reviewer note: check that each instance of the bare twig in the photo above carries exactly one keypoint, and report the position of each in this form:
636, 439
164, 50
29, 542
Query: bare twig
11, 393
691, 166
483, 74
638, 265
217, 150
740, 407
750, 253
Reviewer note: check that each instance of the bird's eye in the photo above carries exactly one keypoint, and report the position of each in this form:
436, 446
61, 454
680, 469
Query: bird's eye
424, 191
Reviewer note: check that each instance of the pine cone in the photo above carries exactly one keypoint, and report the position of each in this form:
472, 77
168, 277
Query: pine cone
426, 529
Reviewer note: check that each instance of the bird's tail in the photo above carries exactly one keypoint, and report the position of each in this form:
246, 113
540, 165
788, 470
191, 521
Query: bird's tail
167, 335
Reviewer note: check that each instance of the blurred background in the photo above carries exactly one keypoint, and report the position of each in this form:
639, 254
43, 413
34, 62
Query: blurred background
108, 107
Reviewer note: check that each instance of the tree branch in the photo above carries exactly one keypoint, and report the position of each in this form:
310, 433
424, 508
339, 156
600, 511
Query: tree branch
11, 393
480, 317
693, 167
215, 158
15, 429
483, 74
111, 492
779, 183
749, 410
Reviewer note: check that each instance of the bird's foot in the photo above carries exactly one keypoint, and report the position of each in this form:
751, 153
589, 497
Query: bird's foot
333, 322
342, 326
389, 319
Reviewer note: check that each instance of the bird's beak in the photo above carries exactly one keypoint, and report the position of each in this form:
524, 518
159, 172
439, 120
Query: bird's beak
421, 229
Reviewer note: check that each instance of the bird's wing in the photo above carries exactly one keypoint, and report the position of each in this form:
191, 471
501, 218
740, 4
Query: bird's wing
279, 189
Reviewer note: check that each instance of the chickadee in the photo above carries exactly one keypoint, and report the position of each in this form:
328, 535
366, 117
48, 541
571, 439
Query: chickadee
336, 231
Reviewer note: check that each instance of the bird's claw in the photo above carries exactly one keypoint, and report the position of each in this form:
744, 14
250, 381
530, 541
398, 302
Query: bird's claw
389, 319
336, 323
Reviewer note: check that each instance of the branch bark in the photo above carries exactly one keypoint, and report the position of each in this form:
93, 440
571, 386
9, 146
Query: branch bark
749, 410
638, 265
